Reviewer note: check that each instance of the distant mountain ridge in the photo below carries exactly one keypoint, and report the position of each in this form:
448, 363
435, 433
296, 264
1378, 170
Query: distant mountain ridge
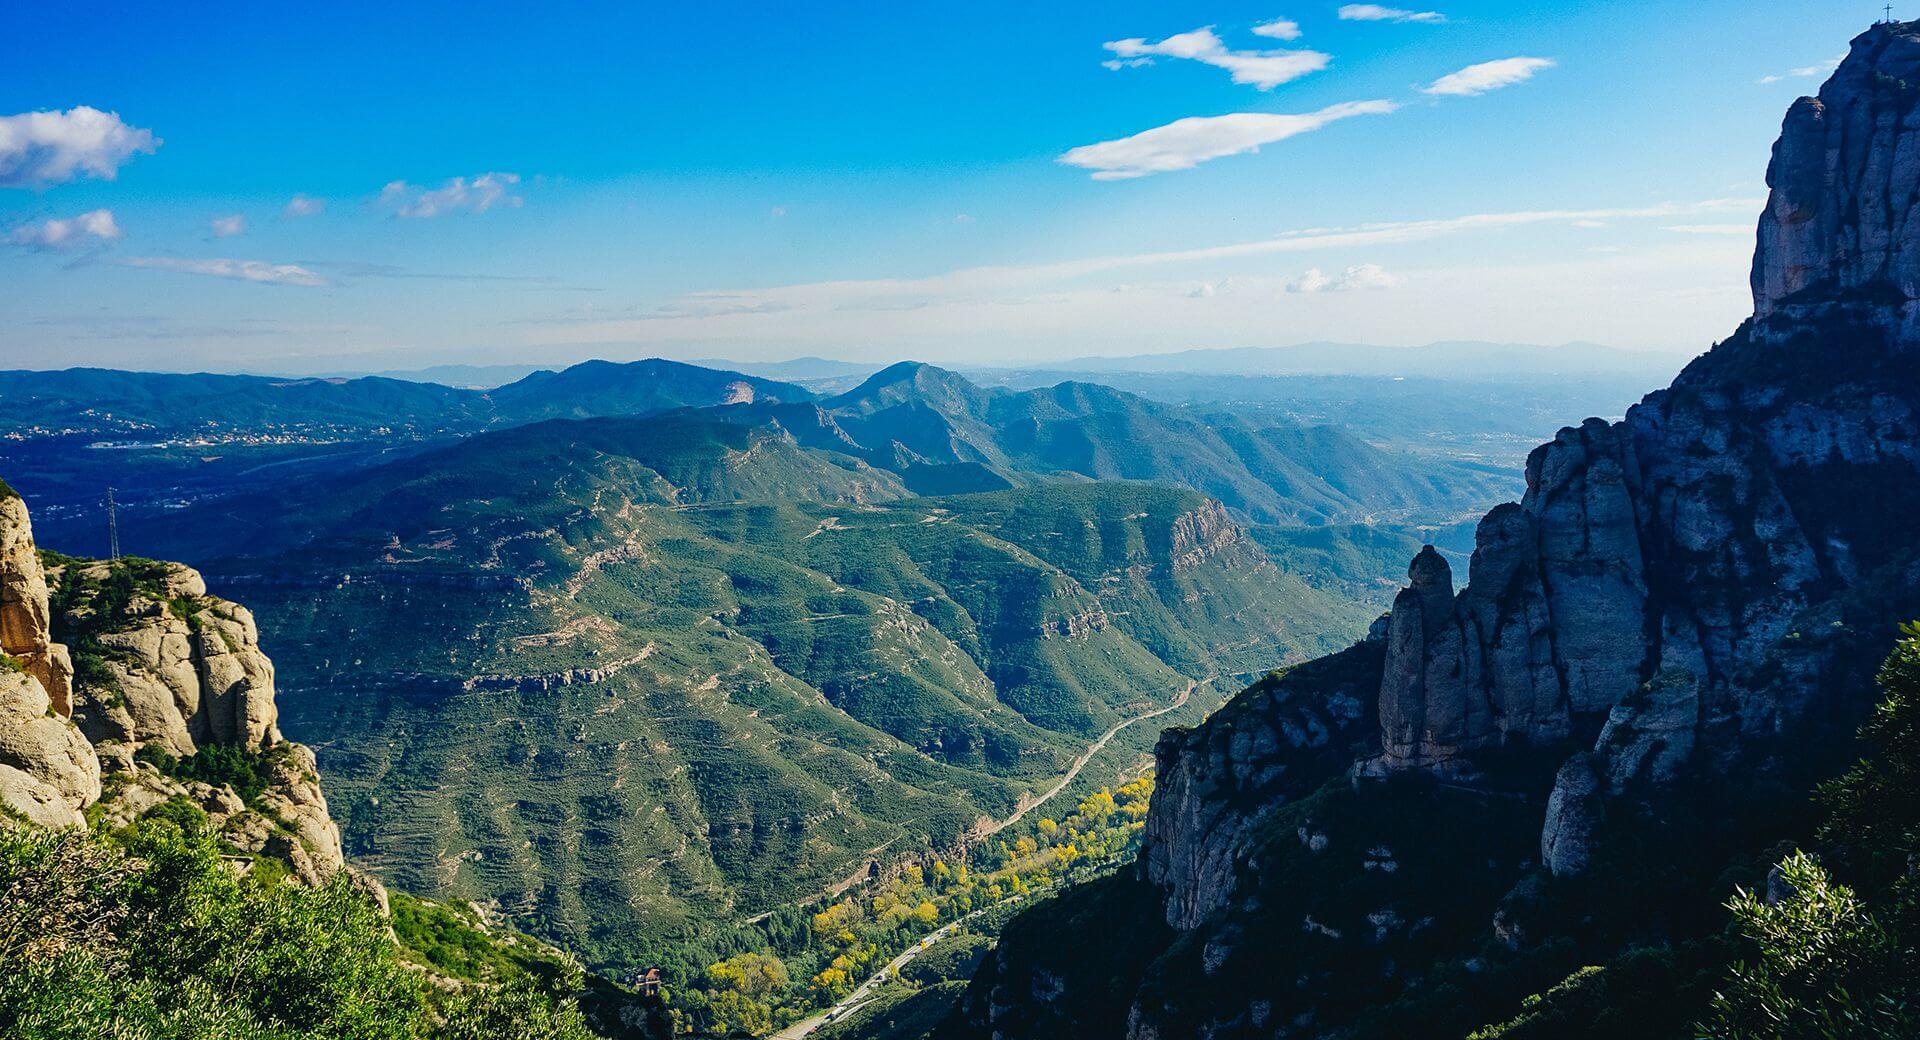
1452, 360
942, 433
112, 401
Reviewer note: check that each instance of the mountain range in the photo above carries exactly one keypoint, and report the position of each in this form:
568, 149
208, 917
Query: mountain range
617, 677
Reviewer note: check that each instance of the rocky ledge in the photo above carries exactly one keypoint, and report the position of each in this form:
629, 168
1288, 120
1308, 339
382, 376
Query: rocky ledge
125, 681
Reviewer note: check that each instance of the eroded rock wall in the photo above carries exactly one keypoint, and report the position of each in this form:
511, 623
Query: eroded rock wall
48, 771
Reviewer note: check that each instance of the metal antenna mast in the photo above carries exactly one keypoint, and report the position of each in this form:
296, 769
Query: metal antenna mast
113, 527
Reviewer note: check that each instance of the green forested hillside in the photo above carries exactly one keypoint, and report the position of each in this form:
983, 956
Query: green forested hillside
621, 678
943, 433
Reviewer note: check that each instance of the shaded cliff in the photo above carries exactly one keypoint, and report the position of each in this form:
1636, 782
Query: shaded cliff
1654, 652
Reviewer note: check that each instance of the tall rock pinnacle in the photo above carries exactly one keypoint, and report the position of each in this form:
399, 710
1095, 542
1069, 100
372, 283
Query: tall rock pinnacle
1840, 225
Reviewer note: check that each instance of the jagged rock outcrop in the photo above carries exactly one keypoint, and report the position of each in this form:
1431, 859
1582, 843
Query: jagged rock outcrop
1667, 593
48, 772
1201, 534
167, 672
23, 606
1650, 592
1272, 744
1684, 607
182, 669
1838, 227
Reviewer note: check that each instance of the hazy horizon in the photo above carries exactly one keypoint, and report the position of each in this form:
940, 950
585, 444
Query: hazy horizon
846, 183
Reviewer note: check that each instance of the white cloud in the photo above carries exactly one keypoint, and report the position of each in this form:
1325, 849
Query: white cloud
989, 286
1116, 64
1486, 76
1361, 276
1262, 69
302, 206
1279, 29
1186, 143
1806, 71
97, 225
777, 212
241, 270
1589, 223
1711, 229
38, 149
476, 195
1376, 13
229, 226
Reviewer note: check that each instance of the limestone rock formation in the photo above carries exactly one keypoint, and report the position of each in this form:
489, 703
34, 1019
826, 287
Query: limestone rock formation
184, 669
48, 772
1668, 593
1684, 605
1839, 221
1660, 590
1272, 744
168, 672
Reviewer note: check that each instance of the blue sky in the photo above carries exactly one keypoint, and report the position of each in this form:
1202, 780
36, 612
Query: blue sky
496, 182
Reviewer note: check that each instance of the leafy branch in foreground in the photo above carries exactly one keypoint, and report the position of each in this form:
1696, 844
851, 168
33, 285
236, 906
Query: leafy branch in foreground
1835, 961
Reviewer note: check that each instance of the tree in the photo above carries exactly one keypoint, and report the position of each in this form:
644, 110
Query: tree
749, 974
1826, 968
1830, 961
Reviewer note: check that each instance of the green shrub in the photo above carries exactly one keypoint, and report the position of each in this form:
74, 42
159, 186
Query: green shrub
148, 935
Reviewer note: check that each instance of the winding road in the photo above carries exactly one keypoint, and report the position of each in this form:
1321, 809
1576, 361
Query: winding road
860, 994
1029, 804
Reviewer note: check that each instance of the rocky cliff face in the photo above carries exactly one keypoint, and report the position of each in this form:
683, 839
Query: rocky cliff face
1666, 591
164, 673
48, 773
1684, 602
1839, 221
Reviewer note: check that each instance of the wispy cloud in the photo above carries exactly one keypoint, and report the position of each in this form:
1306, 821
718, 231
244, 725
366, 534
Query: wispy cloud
1711, 229
1262, 69
1806, 71
240, 270
92, 227
40, 149
1360, 276
983, 283
228, 226
458, 195
353, 269
302, 206
1377, 13
1186, 143
1486, 76
1279, 29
